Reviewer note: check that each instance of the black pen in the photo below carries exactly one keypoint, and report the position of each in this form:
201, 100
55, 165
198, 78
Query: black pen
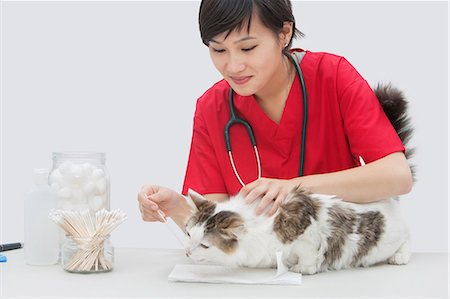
10, 246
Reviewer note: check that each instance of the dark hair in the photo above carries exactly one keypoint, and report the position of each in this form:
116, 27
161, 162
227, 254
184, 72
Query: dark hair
218, 16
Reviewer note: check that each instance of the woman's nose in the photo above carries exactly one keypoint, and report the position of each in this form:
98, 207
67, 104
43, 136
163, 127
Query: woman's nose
235, 65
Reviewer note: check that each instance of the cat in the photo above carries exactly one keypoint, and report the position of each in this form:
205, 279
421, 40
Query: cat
314, 232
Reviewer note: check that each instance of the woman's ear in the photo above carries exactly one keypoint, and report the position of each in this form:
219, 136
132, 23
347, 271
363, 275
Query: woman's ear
286, 33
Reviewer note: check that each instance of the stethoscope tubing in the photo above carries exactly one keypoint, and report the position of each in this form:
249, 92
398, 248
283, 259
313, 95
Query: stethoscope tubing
234, 119
305, 117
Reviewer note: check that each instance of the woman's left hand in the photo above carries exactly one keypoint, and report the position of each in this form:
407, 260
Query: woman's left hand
271, 191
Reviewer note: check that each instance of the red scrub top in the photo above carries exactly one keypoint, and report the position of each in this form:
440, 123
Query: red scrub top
345, 121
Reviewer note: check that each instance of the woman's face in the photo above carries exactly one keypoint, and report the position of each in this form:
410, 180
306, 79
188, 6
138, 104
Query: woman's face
249, 60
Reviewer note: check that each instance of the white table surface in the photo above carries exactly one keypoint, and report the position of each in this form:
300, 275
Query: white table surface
143, 273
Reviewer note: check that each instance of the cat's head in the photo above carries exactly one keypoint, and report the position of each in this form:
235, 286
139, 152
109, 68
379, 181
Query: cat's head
213, 234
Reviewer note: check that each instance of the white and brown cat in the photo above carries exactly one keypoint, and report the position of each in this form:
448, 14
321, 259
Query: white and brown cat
314, 232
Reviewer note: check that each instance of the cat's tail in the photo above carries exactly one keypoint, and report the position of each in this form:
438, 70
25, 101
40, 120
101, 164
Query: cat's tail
395, 106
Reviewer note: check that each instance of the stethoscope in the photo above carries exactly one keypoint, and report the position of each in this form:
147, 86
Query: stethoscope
234, 119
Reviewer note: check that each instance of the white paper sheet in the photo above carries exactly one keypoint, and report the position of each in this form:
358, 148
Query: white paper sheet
222, 274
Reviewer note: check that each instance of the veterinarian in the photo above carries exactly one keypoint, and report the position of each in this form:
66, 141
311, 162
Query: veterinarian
318, 143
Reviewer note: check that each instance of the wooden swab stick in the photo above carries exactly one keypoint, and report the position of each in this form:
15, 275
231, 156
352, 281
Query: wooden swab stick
88, 237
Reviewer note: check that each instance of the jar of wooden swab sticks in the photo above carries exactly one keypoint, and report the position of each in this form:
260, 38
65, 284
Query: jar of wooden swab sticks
87, 248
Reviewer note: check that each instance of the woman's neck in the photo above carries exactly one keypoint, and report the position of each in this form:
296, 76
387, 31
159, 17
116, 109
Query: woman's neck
272, 98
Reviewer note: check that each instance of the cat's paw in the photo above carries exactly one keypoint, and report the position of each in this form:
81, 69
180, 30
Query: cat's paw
399, 258
304, 269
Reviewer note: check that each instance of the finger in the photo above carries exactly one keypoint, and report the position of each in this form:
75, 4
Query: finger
148, 211
256, 193
151, 218
151, 213
147, 201
152, 193
151, 206
148, 207
278, 201
266, 200
141, 196
149, 189
275, 206
143, 199
265, 209
161, 215
145, 204
249, 187
273, 209
156, 198
281, 197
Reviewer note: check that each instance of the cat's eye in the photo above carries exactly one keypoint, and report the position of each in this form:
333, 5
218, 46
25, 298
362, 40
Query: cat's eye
187, 233
204, 246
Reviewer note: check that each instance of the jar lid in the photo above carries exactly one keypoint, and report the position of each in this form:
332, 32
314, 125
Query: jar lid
75, 155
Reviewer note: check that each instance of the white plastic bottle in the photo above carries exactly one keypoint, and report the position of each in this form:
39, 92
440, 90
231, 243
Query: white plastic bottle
41, 243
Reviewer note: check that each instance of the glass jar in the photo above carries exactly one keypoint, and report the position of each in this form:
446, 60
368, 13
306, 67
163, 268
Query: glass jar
87, 254
81, 181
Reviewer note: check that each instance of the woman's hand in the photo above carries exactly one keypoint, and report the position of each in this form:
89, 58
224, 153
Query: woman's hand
154, 200
271, 191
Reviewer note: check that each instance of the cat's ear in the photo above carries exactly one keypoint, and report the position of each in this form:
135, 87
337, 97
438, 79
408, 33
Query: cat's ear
195, 199
232, 226
238, 231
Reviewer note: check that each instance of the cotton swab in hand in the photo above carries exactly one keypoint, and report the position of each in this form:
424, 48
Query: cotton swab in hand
174, 231
162, 216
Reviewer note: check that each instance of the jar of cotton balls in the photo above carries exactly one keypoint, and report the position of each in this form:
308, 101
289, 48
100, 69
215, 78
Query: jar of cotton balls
81, 181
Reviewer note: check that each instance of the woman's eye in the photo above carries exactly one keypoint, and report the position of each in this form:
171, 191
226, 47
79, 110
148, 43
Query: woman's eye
248, 49
218, 50
204, 246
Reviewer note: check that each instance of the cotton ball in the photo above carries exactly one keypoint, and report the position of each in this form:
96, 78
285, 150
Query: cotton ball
76, 171
70, 182
78, 196
65, 167
100, 186
97, 173
96, 203
74, 179
56, 177
89, 188
81, 208
63, 181
87, 169
64, 193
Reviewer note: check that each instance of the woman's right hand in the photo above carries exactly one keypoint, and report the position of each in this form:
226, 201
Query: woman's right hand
153, 198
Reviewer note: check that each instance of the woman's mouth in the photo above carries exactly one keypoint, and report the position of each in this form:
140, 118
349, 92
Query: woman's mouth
241, 80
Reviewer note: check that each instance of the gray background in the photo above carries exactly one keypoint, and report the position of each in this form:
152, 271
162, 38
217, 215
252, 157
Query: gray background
123, 78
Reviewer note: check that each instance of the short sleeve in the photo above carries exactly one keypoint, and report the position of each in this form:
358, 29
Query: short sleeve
203, 173
369, 132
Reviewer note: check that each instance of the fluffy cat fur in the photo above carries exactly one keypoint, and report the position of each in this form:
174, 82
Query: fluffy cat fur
314, 232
